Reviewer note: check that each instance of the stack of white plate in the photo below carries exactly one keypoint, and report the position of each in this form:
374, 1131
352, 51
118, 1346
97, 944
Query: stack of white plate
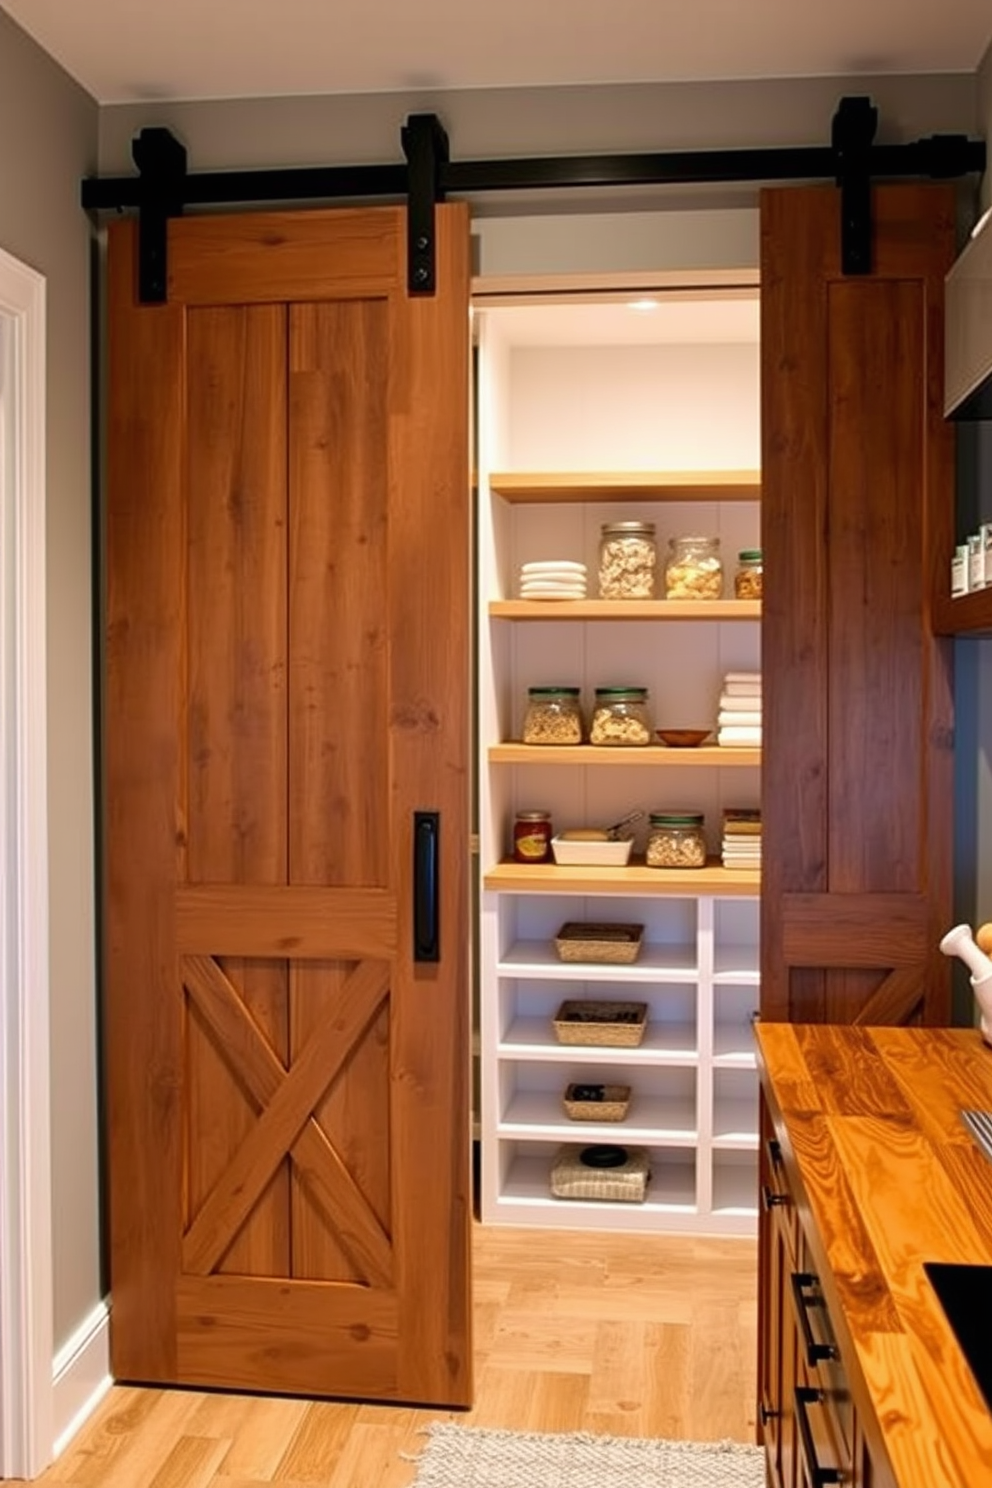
554, 578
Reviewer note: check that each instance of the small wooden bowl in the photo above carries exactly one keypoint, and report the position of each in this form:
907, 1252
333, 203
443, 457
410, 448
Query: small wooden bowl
682, 738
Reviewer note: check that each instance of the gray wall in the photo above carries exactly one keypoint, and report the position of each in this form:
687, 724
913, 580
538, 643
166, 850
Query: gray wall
48, 141
536, 121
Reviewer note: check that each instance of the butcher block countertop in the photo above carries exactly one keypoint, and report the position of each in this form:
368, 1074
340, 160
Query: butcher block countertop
886, 1176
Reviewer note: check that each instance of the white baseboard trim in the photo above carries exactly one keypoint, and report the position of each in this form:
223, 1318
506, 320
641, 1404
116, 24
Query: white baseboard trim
81, 1375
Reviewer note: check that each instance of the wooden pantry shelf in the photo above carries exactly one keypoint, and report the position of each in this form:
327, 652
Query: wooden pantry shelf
625, 609
969, 614
706, 756
636, 879
637, 485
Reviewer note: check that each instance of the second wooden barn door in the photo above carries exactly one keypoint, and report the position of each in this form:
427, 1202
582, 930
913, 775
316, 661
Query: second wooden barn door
856, 464
287, 811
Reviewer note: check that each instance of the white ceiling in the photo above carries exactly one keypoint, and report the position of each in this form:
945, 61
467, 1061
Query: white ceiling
134, 50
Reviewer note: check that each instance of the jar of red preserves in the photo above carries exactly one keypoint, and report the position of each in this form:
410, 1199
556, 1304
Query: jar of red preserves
532, 837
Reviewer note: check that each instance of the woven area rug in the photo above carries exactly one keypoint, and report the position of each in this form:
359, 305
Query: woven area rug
469, 1457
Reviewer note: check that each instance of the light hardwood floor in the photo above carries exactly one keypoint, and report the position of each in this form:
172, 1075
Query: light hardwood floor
629, 1336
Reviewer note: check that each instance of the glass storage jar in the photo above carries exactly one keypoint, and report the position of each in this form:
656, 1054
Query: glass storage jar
553, 716
747, 579
676, 840
532, 837
628, 558
620, 717
694, 568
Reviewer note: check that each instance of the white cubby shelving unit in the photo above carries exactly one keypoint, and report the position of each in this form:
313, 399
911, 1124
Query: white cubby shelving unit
576, 427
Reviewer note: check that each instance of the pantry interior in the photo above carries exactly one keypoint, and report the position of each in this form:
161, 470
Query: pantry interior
616, 401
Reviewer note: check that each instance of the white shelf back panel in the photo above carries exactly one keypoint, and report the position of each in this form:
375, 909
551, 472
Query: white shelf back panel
672, 407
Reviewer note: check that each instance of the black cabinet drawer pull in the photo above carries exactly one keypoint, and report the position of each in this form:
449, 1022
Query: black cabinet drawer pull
800, 1281
818, 1477
426, 940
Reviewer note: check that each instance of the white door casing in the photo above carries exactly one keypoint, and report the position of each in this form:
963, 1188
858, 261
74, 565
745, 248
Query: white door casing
26, 1393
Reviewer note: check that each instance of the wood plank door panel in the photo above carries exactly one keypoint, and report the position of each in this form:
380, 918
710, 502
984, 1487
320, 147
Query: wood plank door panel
857, 463
287, 683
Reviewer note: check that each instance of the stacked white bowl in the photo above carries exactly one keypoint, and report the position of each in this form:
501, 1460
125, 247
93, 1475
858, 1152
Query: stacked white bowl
553, 578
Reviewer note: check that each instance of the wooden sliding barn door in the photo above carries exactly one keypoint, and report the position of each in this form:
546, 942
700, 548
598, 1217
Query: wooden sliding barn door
287, 552
856, 462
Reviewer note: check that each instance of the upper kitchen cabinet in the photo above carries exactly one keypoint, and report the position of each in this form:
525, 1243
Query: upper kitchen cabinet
967, 400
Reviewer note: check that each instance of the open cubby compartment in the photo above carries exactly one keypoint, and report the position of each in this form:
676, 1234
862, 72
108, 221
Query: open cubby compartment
526, 1010
735, 1189
736, 938
528, 925
525, 1195
735, 1109
734, 1011
662, 1105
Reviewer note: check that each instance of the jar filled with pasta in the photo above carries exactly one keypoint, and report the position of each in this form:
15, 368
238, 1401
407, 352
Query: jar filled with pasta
694, 569
620, 717
628, 558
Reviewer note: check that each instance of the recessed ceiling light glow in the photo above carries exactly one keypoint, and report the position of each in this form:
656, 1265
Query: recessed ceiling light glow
642, 305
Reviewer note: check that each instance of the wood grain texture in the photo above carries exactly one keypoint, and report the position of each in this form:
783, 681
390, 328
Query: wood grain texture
261, 257
236, 661
284, 468
324, 1175
144, 829
670, 1321
595, 757
271, 1336
654, 485
626, 609
856, 469
289, 1109
429, 664
308, 923
883, 1182
851, 930
341, 535
351, 1119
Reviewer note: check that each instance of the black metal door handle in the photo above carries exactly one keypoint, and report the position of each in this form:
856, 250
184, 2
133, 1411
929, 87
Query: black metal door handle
818, 1476
800, 1281
426, 834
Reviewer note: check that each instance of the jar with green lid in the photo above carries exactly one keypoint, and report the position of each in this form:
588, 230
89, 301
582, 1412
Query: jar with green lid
628, 559
694, 569
747, 579
553, 716
620, 717
676, 840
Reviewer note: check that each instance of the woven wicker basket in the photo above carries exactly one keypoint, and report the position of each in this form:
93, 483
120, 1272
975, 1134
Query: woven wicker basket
617, 945
571, 1179
613, 1107
618, 1025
